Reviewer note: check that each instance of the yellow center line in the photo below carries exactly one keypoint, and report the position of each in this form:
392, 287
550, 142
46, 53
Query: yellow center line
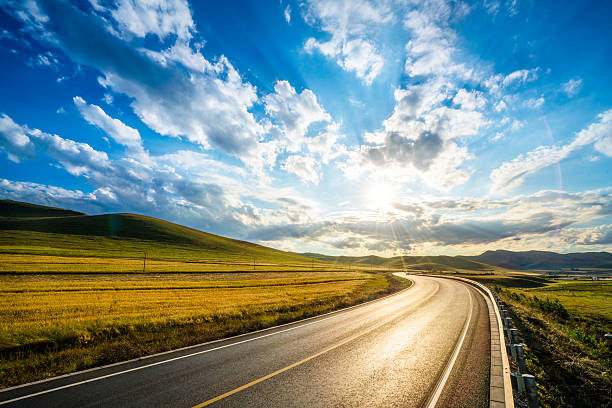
289, 367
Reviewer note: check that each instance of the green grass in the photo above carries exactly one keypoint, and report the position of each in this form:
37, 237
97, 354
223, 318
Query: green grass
563, 324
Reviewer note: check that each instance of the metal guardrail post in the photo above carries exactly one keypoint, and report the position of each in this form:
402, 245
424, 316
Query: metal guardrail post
513, 335
520, 358
518, 383
532, 391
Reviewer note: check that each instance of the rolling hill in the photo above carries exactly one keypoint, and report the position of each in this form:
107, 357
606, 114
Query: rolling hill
10, 208
544, 260
33, 227
440, 262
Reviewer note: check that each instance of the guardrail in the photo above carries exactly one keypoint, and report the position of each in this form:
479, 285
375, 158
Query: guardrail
523, 382
500, 383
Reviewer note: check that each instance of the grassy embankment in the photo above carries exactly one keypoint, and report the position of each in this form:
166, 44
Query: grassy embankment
73, 293
563, 324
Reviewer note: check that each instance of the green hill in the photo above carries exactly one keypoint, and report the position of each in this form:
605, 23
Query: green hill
10, 208
28, 228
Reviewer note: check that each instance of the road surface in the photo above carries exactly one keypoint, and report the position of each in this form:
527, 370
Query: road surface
426, 346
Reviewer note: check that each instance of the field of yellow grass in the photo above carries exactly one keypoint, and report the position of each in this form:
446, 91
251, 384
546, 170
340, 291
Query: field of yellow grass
57, 323
32, 263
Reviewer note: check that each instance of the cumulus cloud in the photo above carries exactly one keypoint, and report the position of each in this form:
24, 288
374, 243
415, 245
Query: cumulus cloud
511, 174
430, 50
326, 144
600, 235
350, 24
535, 103
470, 100
572, 87
294, 112
305, 167
21, 142
14, 140
158, 17
420, 137
175, 91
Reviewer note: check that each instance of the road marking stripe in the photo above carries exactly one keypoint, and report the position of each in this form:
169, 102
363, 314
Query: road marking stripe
433, 400
282, 370
383, 300
343, 342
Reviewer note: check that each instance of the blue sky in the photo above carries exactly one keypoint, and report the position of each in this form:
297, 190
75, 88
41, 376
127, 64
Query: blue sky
388, 127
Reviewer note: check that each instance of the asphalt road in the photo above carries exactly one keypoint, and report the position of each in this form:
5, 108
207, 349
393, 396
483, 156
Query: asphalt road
426, 346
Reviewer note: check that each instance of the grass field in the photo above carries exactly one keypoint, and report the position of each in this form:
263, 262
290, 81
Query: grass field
54, 324
78, 291
563, 324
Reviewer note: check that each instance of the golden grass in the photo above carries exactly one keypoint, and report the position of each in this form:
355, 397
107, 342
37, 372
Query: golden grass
29, 263
53, 324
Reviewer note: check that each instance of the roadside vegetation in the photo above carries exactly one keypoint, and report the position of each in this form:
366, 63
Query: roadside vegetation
563, 324
55, 324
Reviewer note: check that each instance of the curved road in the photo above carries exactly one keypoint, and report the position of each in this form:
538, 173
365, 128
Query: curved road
423, 347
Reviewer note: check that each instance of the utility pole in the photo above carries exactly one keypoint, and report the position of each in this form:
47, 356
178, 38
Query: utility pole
253, 263
144, 263
312, 266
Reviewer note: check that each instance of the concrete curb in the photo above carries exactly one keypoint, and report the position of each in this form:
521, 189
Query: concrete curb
500, 384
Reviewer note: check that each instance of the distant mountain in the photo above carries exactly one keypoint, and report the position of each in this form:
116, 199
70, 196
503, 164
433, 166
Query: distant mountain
543, 259
439, 262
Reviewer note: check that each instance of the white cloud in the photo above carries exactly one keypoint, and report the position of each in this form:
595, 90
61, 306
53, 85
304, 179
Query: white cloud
305, 167
174, 91
325, 144
295, 112
535, 103
500, 106
430, 50
498, 82
511, 174
117, 130
456, 224
158, 17
492, 7
521, 76
470, 100
572, 87
14, 140
517, 125
497, 136
351, 24
287, 14
21, 142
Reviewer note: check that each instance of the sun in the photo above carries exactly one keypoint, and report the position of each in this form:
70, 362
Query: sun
380, 194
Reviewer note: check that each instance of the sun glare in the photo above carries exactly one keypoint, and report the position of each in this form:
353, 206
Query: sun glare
380, 195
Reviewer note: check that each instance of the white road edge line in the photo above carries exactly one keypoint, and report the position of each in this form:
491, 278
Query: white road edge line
185, 356
449, 367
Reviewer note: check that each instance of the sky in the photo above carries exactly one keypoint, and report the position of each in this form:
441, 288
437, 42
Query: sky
352, 127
